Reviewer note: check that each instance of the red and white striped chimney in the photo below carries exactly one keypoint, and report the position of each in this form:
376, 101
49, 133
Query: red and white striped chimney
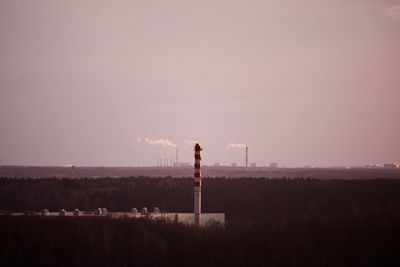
197, 183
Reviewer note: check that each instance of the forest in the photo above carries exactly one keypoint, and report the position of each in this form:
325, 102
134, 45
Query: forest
364, 240
270, 222
240, 199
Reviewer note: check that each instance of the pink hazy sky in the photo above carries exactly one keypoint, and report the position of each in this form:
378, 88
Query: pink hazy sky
300, 82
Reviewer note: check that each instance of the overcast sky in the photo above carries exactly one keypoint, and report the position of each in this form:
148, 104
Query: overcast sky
300, 82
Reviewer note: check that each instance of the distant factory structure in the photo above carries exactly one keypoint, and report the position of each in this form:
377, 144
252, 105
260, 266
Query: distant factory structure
393, 165
273, 165
196, 217
165, 162
372, 166
168, 163
247, 157
183, 164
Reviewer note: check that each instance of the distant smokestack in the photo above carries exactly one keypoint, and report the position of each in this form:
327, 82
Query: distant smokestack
197, 184
177, 156
233, 145
247, 157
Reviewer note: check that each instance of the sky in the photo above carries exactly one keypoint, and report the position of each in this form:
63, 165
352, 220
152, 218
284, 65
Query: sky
311, 82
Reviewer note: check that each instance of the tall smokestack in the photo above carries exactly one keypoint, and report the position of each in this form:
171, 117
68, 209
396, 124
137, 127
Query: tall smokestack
247, 157
197, 184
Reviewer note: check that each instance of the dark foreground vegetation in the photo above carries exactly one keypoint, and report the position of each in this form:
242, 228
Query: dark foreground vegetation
367, 240
241, 199
270, 222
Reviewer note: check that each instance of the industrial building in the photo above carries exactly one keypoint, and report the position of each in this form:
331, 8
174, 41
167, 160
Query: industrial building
197, 217
273, 165
391, 165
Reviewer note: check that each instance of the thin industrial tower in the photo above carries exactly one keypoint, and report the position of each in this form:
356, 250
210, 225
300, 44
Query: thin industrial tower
197, 184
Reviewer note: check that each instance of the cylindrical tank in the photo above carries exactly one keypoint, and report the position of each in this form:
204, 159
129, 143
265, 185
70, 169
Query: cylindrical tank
77, 212
144, 211
62, 212
104, 211
45, 212
97, 211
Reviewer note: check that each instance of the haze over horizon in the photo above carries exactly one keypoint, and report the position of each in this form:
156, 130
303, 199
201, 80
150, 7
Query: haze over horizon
300, 82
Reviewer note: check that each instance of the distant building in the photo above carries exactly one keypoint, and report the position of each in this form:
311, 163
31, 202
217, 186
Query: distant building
391, 165
234, 164
273, 165
217, 164
77, 212
45, 212
143, 211
62, 212
97, 211
253, 164
183, 164
372, 166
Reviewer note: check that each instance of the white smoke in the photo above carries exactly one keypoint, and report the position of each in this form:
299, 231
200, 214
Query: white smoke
233, 145
161, 142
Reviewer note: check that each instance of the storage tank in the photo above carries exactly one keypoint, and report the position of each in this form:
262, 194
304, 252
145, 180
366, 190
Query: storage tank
45, 212
97, 211
144, 211
62, 212
77, 212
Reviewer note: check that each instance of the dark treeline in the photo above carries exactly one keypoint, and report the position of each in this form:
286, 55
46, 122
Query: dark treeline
360, 173
240, 199
365, 240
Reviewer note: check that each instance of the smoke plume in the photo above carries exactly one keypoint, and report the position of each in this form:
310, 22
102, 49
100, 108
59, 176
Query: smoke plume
161, 142
233, 145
